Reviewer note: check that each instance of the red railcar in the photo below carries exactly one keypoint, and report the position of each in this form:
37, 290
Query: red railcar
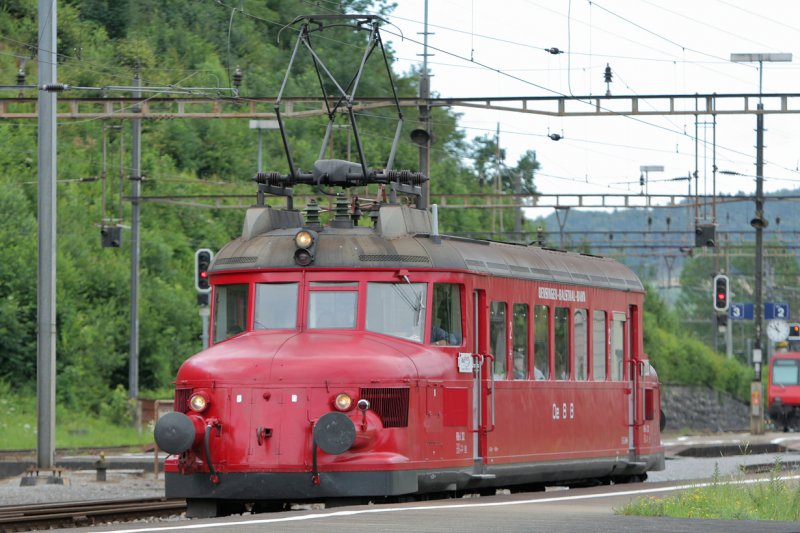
783, 395
399, 362
390, 361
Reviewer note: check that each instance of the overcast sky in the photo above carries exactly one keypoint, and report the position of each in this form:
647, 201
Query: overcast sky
497, 48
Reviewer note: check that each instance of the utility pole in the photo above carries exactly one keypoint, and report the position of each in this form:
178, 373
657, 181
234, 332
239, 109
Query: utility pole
46, 275
136, 192
759, 223
424, 138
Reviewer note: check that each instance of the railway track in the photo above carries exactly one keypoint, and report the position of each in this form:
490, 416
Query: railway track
84, 513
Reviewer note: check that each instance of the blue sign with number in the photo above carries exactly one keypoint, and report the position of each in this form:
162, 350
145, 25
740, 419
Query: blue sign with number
773, 311
740, 311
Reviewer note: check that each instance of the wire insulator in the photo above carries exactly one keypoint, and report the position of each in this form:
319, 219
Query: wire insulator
55, 87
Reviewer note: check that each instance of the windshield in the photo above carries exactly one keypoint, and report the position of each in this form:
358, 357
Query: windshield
276, 306
332, 305
785, 372
397, 309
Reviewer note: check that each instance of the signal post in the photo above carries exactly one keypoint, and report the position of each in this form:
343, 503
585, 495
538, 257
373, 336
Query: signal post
202, 261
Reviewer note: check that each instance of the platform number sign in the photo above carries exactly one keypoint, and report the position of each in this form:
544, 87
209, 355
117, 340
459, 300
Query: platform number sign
740, 311
773, 311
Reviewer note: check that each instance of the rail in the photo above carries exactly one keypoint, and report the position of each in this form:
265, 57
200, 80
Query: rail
84, 513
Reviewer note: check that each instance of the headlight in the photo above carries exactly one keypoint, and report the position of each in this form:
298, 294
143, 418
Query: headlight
343, 402
303, 239
198, 402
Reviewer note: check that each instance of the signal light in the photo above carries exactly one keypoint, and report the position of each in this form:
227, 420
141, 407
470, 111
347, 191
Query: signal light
794, 332
721, 289
202, 260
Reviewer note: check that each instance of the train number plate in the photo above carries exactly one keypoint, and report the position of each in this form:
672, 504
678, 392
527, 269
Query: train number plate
465, 363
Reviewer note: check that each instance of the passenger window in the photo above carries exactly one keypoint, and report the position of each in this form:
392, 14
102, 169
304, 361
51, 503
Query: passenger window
617, 346
562, 342
581, 342
541, 341
276, 306
230, 311
520, 332
599, 345
446, 314
497, 338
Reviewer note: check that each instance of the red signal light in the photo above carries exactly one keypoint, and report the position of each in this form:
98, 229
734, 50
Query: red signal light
202, 262
721, 290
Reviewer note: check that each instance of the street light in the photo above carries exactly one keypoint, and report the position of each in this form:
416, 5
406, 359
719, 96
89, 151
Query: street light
262, 125
759, 223
645, 170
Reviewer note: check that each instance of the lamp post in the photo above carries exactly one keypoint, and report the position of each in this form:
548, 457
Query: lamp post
262, 125
759, 223
644, 174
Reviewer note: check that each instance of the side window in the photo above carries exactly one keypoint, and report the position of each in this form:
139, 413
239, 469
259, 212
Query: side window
276, 306
497, 338
230, 311
599, 345
617, 346
541, 341
562, 319
446, 314
581, 342
520, 332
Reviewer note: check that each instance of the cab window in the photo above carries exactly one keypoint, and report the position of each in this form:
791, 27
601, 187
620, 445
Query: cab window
230, 311
276, 306
332, 305
397, 309
446, 314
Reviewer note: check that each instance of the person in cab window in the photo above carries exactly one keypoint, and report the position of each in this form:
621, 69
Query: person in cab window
442, 337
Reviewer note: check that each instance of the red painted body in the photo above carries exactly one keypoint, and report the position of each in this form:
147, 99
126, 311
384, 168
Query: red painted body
783, 394
432, 425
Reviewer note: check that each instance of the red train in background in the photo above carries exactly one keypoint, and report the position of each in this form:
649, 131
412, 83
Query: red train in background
389, 361
783, 394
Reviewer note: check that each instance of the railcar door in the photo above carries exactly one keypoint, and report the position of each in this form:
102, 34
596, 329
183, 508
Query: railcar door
482, 381
636, 381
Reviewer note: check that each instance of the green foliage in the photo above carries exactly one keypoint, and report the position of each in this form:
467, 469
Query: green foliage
772, 499
682, 359
120, 408
183, 43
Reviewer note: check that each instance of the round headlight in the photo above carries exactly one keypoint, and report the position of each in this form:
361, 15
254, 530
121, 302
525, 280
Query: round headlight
303, 239
343, 402
198, 402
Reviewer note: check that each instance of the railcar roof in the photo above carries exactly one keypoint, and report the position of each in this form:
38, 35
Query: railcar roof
402, 238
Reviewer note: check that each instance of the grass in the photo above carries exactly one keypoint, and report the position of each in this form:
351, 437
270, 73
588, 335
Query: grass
773, 498
18, 426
